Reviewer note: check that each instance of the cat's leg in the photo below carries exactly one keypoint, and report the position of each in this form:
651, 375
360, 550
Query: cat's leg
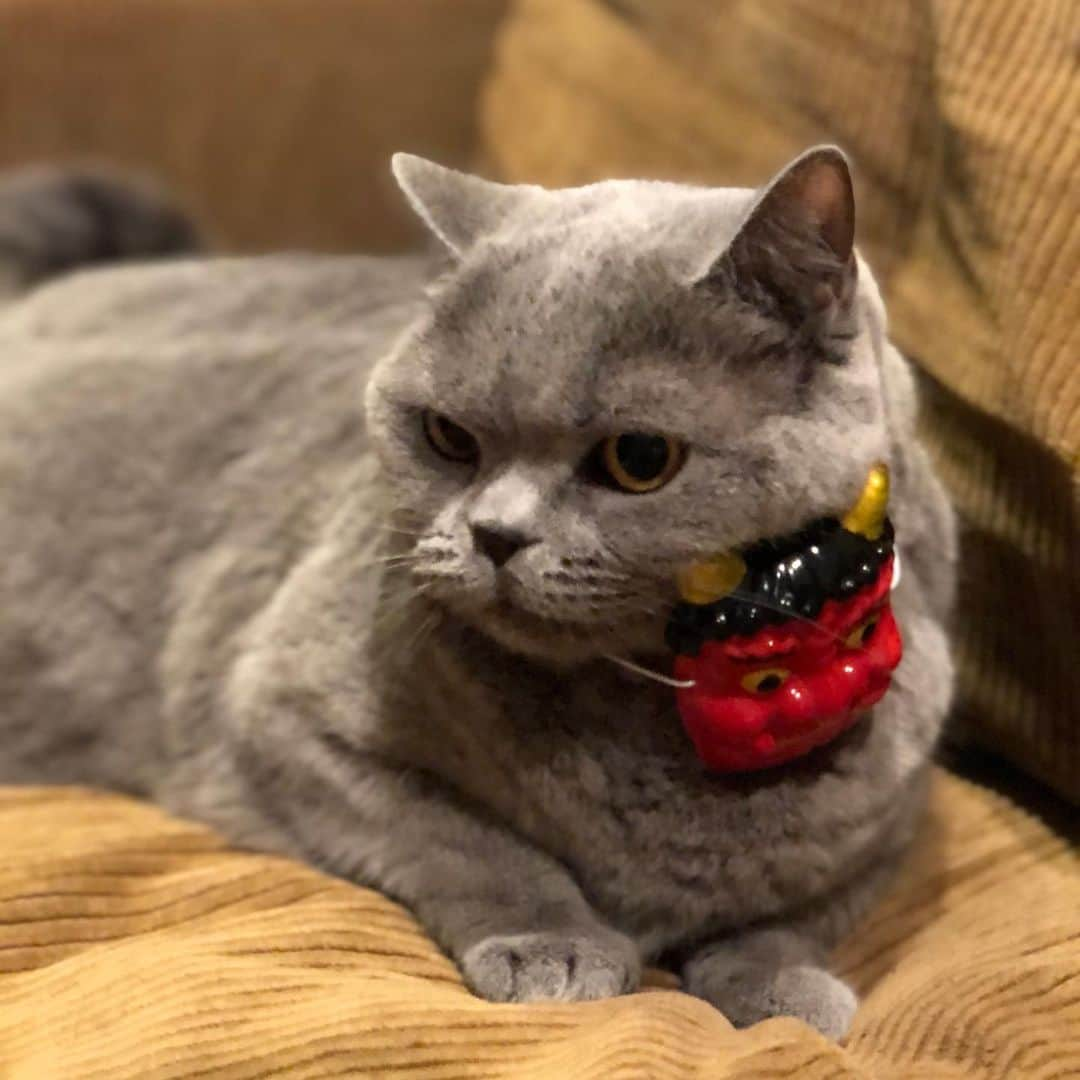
771, 972
781, 968
511, 916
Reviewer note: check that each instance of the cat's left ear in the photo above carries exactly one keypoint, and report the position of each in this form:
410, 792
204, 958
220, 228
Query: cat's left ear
797, 240
458, 208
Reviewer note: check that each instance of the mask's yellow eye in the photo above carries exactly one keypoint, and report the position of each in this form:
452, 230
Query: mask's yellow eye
862, 633
765, 680
450, 439
636, 462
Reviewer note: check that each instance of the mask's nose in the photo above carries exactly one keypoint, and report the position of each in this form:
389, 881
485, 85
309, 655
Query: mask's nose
499, 545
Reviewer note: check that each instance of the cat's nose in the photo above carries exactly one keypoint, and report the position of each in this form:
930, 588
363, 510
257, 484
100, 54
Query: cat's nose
500, 545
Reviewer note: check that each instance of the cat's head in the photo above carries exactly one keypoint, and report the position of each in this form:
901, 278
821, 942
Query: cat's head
615, 379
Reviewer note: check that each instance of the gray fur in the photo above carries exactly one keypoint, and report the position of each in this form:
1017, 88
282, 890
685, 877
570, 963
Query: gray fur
53, 220
237, 580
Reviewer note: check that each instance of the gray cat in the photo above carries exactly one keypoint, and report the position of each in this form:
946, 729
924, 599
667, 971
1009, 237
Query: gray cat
319, 551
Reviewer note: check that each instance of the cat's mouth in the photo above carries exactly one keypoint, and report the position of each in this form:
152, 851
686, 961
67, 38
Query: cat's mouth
566, 640
514, 613
535, 625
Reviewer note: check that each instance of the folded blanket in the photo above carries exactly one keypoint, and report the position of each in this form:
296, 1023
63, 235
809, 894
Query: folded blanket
136, 945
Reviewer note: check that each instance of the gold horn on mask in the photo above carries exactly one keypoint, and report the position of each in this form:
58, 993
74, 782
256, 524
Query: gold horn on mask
708, 581
867, 516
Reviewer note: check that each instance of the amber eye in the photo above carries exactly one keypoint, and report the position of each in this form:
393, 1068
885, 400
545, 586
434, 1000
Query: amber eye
862, 633
765, 680
450, 439
636, 462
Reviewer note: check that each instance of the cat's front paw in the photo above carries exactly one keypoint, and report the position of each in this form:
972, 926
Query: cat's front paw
552, 966
749, 990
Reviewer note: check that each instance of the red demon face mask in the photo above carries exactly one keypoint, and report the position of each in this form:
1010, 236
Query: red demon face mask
782, 647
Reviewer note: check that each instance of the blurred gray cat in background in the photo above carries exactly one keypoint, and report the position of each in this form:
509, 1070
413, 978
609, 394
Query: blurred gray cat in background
320, 551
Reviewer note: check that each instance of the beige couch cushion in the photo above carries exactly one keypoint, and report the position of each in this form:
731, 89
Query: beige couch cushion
134, 945
961, 118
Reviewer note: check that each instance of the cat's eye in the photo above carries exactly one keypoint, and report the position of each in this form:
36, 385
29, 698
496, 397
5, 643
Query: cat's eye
636, 462
765, 680
450, 439
862, 633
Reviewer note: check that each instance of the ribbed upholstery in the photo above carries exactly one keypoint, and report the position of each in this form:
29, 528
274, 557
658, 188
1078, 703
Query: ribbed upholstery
274, 120
136, 946
961, 118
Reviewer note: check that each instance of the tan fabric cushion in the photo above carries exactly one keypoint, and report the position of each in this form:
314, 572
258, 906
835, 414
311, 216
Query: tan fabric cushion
273, 119
135, 945
961, 118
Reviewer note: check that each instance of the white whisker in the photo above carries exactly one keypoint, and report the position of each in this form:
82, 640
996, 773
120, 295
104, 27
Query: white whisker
399, 531
667, 680
426, 627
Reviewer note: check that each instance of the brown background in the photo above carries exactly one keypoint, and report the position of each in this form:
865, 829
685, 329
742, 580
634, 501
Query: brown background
273, 119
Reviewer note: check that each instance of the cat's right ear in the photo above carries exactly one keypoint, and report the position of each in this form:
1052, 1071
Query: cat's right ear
458, 208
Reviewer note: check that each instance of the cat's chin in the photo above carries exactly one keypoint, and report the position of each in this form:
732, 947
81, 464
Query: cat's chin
511, 624
552, 641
